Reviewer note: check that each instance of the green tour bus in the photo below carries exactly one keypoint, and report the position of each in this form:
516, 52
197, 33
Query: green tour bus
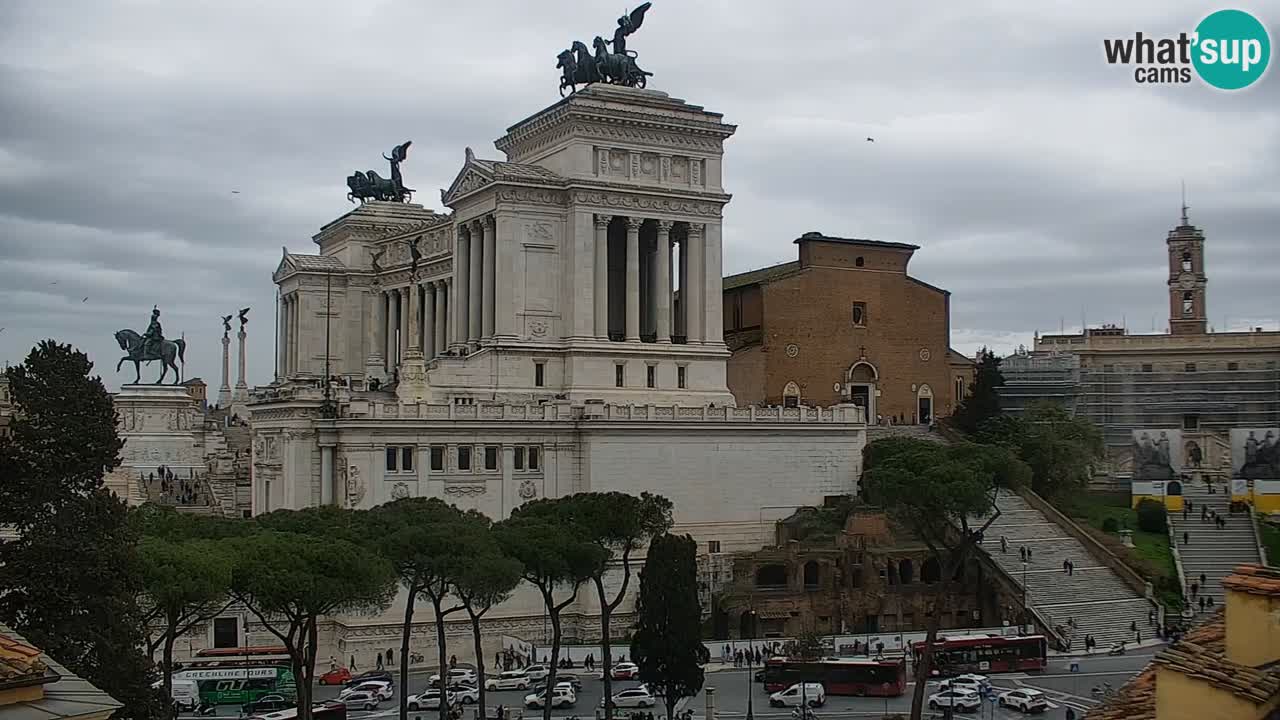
228, 676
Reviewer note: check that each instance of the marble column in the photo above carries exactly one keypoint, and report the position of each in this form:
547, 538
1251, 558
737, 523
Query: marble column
242, 389
402, 317
295, 325
682, 327
286, 325
633, 279
462, 285
224, 392
488, 292
374, 325
393, 329
662, 299
281, 326
412, 341
326, 475
442, 316
695, 295
475, 287
601, 290
389, 329
429, 321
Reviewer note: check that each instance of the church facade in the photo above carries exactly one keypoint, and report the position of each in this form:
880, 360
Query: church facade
558, 330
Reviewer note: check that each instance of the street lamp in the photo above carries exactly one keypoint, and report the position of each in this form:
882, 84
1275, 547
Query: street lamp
1023, 620
328, 406
751, 614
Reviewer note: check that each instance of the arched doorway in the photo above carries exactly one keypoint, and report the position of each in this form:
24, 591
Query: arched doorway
924, 402
791, 395
860, 384
811, 575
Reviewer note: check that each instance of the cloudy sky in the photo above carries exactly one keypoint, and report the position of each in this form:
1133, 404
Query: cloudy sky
1039, 181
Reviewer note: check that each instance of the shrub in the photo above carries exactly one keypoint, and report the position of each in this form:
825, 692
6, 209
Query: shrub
1152, 517
1110, 525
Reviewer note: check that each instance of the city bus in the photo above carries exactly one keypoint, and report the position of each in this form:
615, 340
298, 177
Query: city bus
986, 654
237, 676
872, 677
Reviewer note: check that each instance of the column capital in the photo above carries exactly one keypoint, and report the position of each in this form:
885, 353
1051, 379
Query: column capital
603, 220
634, 223
464, 232
489, 222
696, 229
664, 226
477, 225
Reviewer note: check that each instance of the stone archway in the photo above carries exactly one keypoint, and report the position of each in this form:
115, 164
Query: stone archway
791, 395
861, 380
924, 405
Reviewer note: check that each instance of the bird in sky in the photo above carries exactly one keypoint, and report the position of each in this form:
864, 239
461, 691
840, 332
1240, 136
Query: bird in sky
85, 299
870, 139
235, 192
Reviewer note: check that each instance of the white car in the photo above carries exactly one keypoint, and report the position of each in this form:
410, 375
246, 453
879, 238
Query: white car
465, 694
561, 697
381, 688
633, 698
429, 700
625, 671
957, 699
537, 672
968, 681
1028, 701
812, 693
509, 680
360, 700
457, 676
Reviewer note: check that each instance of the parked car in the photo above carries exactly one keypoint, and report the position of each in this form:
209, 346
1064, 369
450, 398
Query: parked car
968, 681
428, 700
571, 679
266, 704
362, 700
537, 672
464, 694
562, 696
370, 675
457, 676
626, 671
508, 680
336, 676
759, 676
957, 699
812, 693
384, 689
633, 698
1028, 701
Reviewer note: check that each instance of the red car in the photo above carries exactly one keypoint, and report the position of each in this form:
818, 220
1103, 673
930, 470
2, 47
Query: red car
336, 676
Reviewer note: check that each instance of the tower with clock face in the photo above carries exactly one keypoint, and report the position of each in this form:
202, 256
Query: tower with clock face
1187, 281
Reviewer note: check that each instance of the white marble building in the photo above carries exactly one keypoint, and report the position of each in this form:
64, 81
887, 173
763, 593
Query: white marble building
562, 333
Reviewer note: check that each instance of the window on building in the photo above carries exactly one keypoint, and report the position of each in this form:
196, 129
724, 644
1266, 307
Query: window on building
406, 459
226, 632
517, 458
959, 389
1190, 422
713, 546
1186, 262
1146, 367
1190, 367
464, 457
651, 376
393, 459
490, 457
859, 261
539, 374
1233, 366
680, 377
533, 457
437, 458
1188, 303
860, 314
617, 376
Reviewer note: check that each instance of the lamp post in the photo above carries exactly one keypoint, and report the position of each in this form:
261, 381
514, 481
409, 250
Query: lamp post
750, 675
1023, 620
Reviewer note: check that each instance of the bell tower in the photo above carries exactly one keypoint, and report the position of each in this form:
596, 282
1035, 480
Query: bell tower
1187, 310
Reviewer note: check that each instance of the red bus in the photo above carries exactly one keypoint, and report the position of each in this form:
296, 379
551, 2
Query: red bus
839, 676
986, 654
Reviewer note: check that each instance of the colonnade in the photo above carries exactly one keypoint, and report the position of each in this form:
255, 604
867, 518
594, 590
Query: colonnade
646, 303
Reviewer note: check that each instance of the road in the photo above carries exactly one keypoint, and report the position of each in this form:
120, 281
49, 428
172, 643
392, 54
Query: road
1063, 687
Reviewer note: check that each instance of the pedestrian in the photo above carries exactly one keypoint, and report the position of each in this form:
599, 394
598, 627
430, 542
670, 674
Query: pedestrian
1133, 627
1195, 588
1137, 636
1004, 544
1065, 564
1204, 513
1151, 617
1071, 568
1201, 604
1022, 552
453, 661
333, 663
1204, 579
1208, 601
1191, 505
1028, 554
379, 656
1186, 538
353, 663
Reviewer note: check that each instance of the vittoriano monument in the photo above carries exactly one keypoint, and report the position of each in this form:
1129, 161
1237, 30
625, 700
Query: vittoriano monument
149, 346
580, 67
370, 186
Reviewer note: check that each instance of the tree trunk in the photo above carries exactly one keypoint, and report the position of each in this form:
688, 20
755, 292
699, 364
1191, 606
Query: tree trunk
167, 659
555, 658
304, 682
606, 649
300, 688
404, 653
475, 636
670, 701
925, 663
444, 660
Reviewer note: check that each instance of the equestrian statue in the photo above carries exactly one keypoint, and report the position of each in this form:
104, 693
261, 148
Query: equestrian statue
149, 346
579, 67
369, 185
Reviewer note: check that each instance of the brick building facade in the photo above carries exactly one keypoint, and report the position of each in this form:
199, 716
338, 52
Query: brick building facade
844, 323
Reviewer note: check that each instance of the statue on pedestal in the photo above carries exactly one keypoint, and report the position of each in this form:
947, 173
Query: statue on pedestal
617, 67
151, 346
369, 185
226, 325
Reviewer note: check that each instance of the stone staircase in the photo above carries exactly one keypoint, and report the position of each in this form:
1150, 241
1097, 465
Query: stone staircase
1095, 598
1212, 551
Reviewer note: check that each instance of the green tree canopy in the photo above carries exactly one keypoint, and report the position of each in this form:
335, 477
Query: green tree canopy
487, 578
983, 399
1061, 450
667, 643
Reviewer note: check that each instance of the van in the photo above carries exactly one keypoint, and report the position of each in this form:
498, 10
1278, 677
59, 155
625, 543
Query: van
186, 694
813, 693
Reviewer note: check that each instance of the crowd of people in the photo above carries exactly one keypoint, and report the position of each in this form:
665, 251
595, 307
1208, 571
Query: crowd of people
166, 488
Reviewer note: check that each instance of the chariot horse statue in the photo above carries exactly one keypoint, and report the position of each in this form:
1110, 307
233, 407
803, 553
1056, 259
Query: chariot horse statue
579, 67
151, 346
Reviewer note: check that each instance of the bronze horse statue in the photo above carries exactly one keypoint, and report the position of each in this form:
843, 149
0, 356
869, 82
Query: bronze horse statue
131, 343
